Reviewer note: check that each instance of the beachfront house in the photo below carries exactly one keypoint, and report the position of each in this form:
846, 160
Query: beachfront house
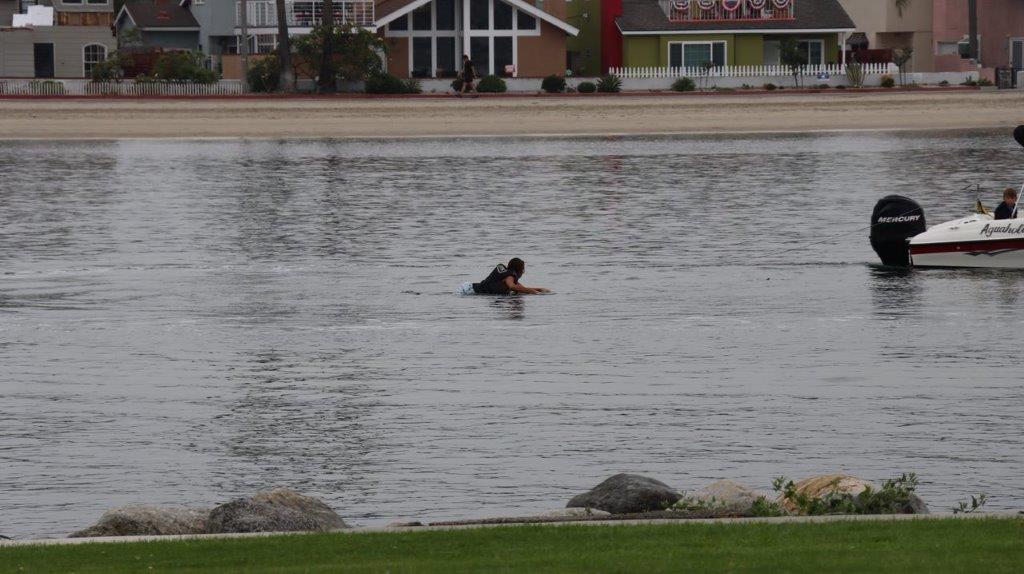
728, 33
425, 38
159, 24
54, 38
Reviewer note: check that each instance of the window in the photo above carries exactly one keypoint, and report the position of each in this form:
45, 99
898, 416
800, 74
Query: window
502, 54
445, 14
480, 54
446, 57
422, 57
479, 18
92, 54
399, 24
525, 21
421, 18
502, 16
815, 51
695, 54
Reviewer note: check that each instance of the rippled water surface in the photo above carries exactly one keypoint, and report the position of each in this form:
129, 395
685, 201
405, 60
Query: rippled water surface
188, 321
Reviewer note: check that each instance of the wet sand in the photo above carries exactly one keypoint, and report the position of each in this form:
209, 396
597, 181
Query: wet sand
642, 114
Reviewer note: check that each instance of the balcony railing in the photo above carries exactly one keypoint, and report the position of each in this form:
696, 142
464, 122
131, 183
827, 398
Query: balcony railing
305, 13
727, 10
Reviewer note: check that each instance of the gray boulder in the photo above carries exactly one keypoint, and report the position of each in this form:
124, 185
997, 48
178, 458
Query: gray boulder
278, 510
727, 496
141, 520
627, 494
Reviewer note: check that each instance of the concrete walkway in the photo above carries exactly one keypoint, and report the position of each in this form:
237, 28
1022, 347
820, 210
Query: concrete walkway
395, 529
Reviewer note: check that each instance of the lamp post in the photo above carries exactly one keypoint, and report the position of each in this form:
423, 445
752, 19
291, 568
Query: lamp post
243, 46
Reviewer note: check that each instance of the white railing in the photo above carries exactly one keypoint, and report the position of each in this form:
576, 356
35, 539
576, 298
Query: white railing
24, 87
691, 11
744, 71
305, 13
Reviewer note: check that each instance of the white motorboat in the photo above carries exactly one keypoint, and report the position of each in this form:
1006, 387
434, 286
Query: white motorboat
975, 241
901, 238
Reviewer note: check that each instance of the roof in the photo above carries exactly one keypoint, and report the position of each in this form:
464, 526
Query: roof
646, 17
389, 10
167, 15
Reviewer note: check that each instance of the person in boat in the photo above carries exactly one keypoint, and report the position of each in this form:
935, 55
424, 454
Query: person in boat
1007, 207
504, 280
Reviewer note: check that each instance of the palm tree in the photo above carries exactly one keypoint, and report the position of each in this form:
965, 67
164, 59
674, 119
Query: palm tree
284, 49
326, 83
901, 5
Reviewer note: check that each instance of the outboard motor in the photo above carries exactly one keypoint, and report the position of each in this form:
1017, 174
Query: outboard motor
893, 222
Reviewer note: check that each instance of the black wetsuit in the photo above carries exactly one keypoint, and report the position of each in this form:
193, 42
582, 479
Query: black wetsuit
1004, 211
495, 282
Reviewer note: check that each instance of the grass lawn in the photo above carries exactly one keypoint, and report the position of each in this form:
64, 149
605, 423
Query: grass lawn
991, 545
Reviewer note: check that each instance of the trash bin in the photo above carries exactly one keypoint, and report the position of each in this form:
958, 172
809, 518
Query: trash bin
1006, 78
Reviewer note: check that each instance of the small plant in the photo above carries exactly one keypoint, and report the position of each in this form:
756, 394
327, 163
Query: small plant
389, 84
887, 82
764, 507
985, 83
770, 87
46, 87
969, 83
684, 85
855, 74
492, 85
894, 497
183, 67
746, 87
841, 87
965, 507
553, 84
586, 87
264, 75
609, 84
900, 57
823, 86
413, 86
944, 83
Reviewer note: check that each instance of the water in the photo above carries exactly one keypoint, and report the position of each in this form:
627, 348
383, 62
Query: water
189, 321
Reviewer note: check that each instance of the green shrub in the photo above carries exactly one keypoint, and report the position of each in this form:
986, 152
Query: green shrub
944, 83
108, 70
888, 82
391, 84
985, 83
770, 87
586, 88
684, 85
841, 87
894, 497
413, 86
823, 86
553, 84
46, 87
609, 84
264, 75
492, 85
183, 67
970, 83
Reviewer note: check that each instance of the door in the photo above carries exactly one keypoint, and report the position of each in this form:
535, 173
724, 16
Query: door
1017, 54
43, 60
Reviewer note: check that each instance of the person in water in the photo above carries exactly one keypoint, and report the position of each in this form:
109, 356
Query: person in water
504, 280
1007, 207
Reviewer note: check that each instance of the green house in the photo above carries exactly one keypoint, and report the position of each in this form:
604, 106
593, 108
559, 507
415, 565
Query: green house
726, 33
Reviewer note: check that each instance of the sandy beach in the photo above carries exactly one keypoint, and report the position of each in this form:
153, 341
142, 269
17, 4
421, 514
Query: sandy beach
642, 114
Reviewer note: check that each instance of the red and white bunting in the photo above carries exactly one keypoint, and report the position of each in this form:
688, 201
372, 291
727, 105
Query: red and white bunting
781, 4
681, 6
706, 4
757, 4
731, 5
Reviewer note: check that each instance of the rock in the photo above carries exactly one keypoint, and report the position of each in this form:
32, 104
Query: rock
726, 495
141, 520
627, 494
278, 510
575, 513
819, 486
410, 524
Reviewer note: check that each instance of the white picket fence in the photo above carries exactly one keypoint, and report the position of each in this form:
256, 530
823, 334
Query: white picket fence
744, 71
25, 87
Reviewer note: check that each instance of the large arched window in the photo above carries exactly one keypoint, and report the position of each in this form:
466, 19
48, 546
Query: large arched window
92, 54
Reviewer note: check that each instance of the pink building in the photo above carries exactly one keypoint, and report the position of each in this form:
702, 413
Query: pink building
1000, 34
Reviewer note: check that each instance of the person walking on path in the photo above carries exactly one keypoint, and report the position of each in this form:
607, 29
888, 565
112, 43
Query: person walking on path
468, 74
